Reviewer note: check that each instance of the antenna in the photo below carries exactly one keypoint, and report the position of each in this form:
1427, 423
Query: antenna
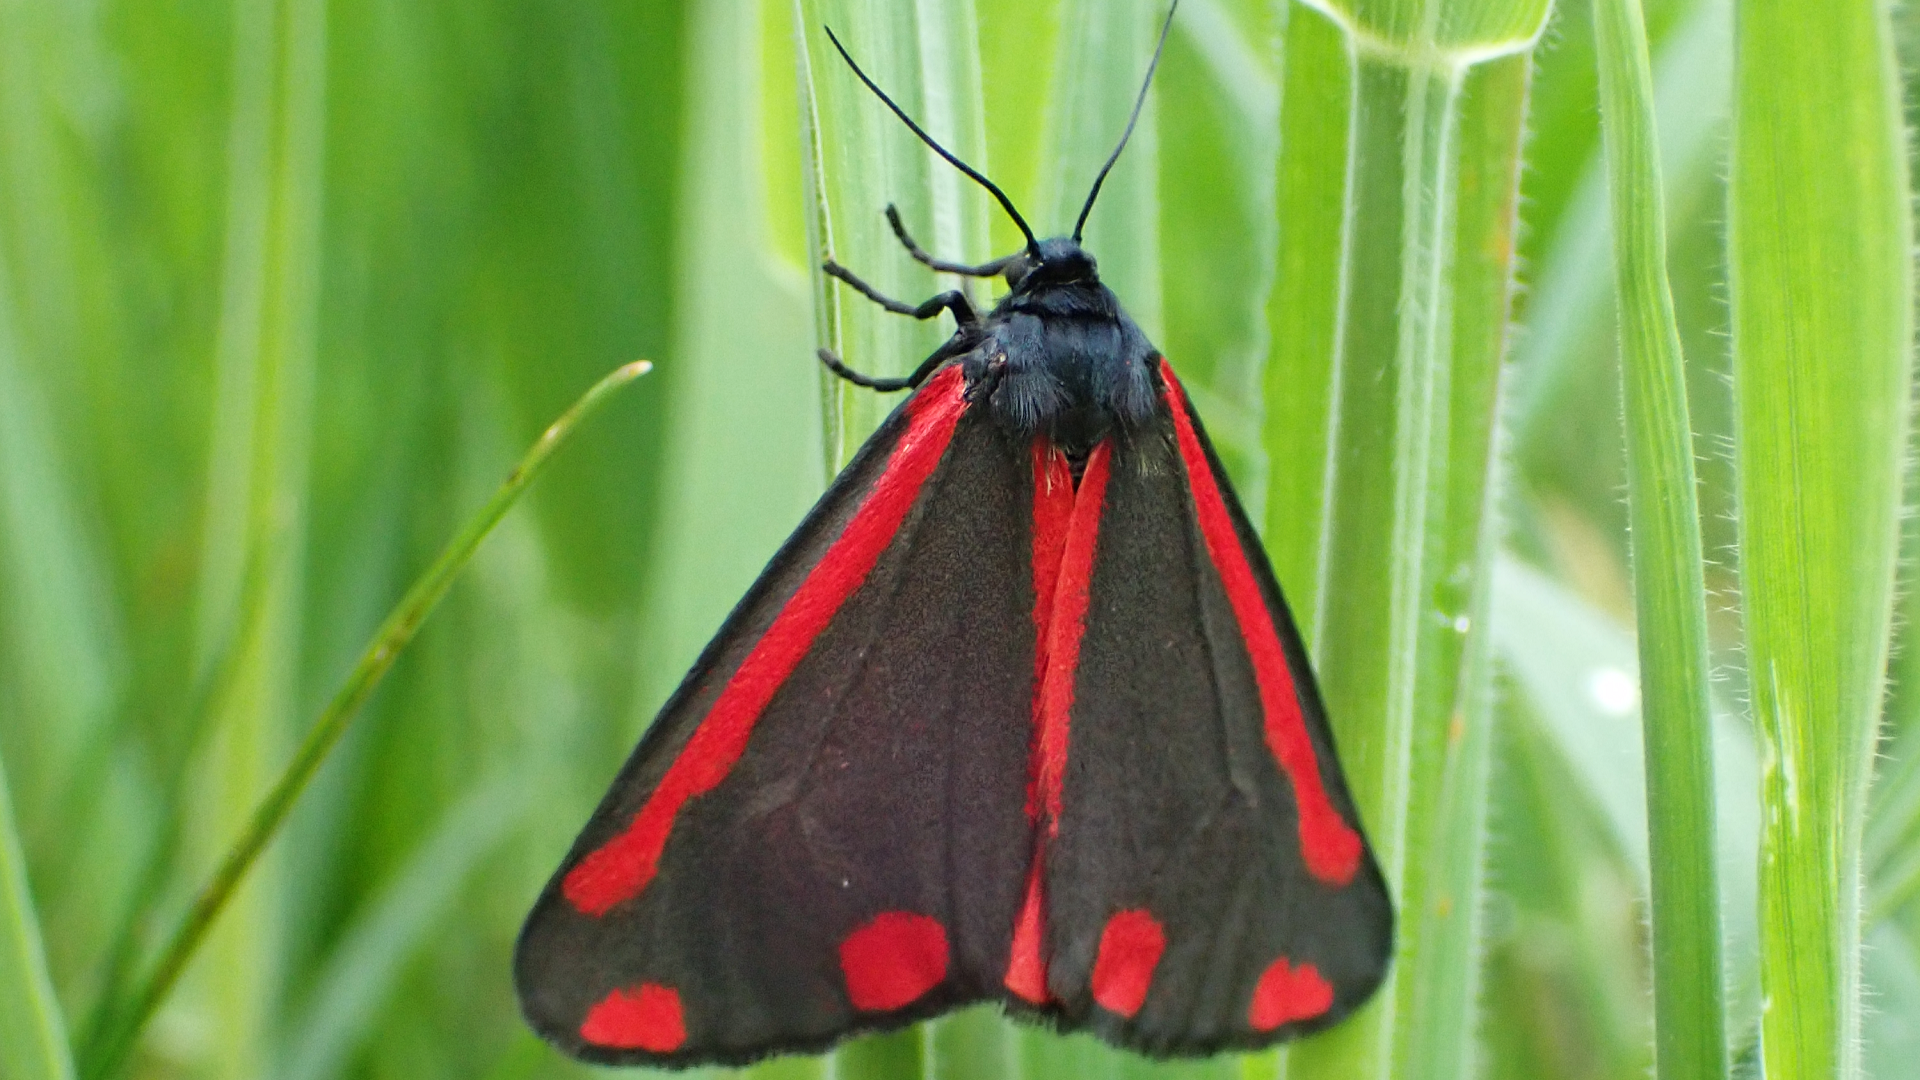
1033, 246
1131, 120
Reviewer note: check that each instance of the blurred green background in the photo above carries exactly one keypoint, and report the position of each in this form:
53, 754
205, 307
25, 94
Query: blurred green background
286, 286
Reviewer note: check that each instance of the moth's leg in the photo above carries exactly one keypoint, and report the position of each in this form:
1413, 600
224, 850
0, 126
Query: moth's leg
996, 370
951, 300
873, 382
990, 269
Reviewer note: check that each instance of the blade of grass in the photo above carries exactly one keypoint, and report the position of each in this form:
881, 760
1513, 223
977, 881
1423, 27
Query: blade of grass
33, 1040
70, 664
1101, 56
60, 651
743, 458
1444, 991
1669, 582
1892, 1028
977, 1044
393, 636
1561, 1001
1307, 305
1579, 668
1896, 801
1218, 230
1018, 42
359, 976
1390, 654
253, 570
1894, 885
1439, 33
1572, 294
1819, 239
1393, 380
923, 55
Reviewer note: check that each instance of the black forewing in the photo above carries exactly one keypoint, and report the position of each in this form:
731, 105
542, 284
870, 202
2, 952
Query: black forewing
1172, 801
887, 773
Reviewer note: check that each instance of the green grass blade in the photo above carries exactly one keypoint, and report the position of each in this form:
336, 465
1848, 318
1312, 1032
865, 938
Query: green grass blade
253, 583
39, 566
1100, 58
33, 1040
1443, 991
1669, 582
1894, 885
1890, 852
387, 643
1218, 228
1388, 431
359, 977
1571, 305
1892, 1027
63, 668
69, 670
1578, 667
1896, 801
924, 56
1440, 33
975, 1044
1819, 237
1421, 347
1305, 310
742, 459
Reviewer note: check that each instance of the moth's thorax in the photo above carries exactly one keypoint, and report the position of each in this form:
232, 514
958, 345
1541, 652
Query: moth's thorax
1063, 359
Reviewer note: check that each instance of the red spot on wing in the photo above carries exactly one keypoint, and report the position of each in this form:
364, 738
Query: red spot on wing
1130, 949
1066, 531
647, 1017
1285, 994
619, 869
1330, 847
892, 960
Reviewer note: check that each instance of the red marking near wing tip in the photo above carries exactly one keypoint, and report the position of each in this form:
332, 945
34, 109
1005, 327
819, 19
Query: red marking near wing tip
619, 869
893, 959
1329, 846
1066, 530
1130, 949
646, 1017
1285, 994
1026, 970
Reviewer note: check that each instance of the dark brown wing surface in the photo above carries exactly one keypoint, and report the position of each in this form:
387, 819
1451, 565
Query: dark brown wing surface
825, 830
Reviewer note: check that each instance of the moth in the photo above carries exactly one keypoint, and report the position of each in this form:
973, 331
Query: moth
1017, 714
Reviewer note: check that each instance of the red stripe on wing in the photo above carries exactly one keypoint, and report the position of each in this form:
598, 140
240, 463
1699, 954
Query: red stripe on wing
1074, 538
1052, 516
1330, 847
621, 868
1068, 626
1026, 968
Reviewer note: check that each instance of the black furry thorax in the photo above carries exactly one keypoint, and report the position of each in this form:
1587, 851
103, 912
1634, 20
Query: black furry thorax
1058, 356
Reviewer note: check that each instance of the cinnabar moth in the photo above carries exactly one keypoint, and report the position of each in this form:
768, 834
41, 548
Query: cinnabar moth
1017, 714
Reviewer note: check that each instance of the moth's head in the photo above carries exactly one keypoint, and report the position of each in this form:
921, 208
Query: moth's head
1058, 260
